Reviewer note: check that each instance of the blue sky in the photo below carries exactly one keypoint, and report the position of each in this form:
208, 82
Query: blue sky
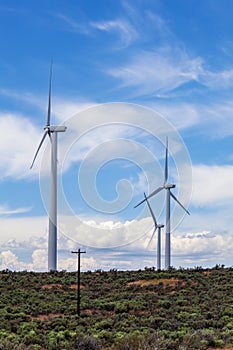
126, 74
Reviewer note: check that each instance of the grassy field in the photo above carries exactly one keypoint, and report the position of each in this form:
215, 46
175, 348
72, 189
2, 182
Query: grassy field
145, 309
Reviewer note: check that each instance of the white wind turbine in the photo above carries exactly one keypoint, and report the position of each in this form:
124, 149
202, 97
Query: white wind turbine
166, 186
159, 227
51, 131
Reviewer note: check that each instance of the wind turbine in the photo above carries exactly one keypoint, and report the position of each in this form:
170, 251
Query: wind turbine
166, 186
51, 131
157, 226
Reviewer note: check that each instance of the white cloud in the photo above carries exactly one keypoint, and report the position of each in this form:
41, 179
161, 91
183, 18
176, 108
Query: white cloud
125, 30
26, 97
17, 146
217, 80
205, 248
159, 72
65, 108
216, 118
204, 242
9, 260
5, 210
182, 115
21, 138
39, 260
212, 185
212, 118
21, 228
140, 185
70, 264
72, 24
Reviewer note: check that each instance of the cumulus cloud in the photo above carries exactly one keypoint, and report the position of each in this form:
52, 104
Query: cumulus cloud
199, 243
39, 260
9, 260
205, 248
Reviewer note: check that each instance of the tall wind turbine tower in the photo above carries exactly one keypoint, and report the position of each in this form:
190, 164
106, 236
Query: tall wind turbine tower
51, 131
166, 186
159, 227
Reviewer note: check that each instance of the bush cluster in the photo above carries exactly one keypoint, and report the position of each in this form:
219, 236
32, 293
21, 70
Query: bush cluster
176, 309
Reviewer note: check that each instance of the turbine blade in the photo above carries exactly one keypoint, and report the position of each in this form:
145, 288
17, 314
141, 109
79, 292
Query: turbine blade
152, 194
166, 163
174, 197
152, 236
41, 142
151, 212
49, 98
155, 192
139, 203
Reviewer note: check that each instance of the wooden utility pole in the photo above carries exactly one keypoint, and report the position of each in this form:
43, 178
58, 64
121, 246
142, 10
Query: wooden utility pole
78, 280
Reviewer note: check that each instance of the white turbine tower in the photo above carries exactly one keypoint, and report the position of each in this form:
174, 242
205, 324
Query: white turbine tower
51, 131
166, 186
159, 227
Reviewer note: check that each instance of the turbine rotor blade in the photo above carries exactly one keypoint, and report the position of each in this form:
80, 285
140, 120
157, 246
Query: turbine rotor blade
152, 236
49, 98
41, 142
139, 203
152, 194
166, 163
151, 212
174, 197
155, 192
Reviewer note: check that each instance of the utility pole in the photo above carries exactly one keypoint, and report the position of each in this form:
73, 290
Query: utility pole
78, 280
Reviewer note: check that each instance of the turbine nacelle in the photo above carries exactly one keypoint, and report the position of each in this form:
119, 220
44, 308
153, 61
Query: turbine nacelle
160, 226
168, 186
55, 128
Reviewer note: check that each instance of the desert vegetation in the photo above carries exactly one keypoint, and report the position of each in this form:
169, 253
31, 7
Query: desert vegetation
146, 309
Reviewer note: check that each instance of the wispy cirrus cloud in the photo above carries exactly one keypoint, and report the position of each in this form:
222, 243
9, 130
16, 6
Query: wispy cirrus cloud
120, 26
161, 72
5, 210
217, 80
158, 72
123, 28
210, 117
73, 24
26, 97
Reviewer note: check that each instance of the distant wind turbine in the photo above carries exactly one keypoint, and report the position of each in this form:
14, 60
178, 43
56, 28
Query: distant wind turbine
157, 226
51, 131
169, 194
